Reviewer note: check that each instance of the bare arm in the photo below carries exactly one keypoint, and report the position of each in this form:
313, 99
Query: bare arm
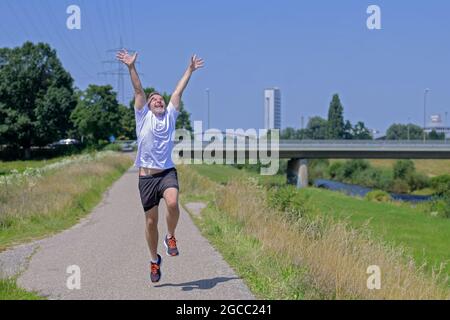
195, 64
139, 94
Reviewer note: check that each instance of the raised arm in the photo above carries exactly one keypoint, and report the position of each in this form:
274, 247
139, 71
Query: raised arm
139, 94
195, 64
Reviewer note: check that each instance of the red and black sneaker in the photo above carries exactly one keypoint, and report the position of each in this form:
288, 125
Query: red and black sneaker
171, 246
155, 270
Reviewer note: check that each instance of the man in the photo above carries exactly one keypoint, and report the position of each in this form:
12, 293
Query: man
155, 124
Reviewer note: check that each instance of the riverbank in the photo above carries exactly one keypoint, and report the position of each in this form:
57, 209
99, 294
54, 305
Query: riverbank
345, 240
359, 191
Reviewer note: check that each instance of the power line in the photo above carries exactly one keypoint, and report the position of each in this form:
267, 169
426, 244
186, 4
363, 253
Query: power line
10, 37
126, 26
103, 22
68, 45
131, 12
111, 18
120, 20
30, 19
118, 72
21, 25
91, 31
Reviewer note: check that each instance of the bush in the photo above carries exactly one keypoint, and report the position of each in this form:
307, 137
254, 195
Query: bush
368, 178
113, 147
289, 200
335, 169
403, 169
378, 196
440, 207
418, 181
354, 166
386, 179
441, 185
318, 169
400, 186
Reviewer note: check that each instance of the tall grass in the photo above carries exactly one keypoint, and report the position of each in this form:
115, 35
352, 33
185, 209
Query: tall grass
49, 200
336, 256
10, 291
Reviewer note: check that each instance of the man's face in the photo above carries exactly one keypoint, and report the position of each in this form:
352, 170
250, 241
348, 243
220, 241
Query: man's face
157, 105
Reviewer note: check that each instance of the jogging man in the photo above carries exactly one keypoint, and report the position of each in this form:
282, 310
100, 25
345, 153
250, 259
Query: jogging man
155, 124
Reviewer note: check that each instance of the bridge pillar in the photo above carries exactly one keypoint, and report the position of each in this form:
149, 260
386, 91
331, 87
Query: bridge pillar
297, 173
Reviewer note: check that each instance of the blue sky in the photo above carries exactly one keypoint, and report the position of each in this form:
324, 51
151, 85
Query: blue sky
309, 49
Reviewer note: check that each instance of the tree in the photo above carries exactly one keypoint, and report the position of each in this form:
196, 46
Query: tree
96, 116
400, 132
348, 130
335, 119
127, 128
433, 135
36, 95
317, 128
360, 132
289, 134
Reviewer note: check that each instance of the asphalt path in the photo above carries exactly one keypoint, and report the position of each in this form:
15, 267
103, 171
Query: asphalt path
107, 255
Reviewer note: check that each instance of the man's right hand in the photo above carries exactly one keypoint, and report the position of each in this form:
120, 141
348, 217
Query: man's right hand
126, 58
139, 93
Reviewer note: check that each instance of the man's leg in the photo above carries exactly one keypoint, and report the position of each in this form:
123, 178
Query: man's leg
151, 232
173, 210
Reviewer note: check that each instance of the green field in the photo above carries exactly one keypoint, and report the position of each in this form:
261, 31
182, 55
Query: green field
21, 166
425, 237
430, 168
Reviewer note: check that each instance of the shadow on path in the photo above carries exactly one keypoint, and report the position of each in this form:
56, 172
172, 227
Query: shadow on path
199, 284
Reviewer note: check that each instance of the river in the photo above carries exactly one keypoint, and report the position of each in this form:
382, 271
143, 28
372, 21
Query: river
355, 190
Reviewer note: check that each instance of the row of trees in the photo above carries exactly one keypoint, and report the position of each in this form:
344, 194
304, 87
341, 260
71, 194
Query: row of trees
335, 128
39, 103
411, 132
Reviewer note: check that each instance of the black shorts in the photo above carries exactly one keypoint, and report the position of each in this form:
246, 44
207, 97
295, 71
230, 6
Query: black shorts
151, 188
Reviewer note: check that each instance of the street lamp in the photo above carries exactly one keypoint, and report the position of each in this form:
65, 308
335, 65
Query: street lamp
207, 97
425, 113
409, 121
446, 126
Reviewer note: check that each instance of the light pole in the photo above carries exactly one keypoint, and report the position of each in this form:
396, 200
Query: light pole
409, 121
446, 126
425, 113
207, 97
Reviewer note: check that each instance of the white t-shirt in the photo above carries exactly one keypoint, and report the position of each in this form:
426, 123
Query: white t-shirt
154, 138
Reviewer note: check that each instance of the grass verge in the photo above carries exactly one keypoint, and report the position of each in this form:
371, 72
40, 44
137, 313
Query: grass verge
10, 291
51, 203
287, 256
56, 201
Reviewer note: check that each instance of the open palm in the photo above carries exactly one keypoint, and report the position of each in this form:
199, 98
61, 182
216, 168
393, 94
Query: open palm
196, 63
126, 58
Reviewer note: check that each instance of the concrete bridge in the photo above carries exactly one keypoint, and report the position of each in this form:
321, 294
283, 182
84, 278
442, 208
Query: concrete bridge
299, 151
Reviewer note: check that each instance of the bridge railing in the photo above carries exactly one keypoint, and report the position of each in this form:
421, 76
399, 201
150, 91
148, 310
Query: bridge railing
368, 142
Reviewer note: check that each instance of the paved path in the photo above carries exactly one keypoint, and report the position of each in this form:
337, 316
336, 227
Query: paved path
110, 249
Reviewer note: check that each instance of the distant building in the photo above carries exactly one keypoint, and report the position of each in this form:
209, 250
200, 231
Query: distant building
272, 108
435, 121
438, 125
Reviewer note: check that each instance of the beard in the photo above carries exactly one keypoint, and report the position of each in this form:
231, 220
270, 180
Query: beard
158, 110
